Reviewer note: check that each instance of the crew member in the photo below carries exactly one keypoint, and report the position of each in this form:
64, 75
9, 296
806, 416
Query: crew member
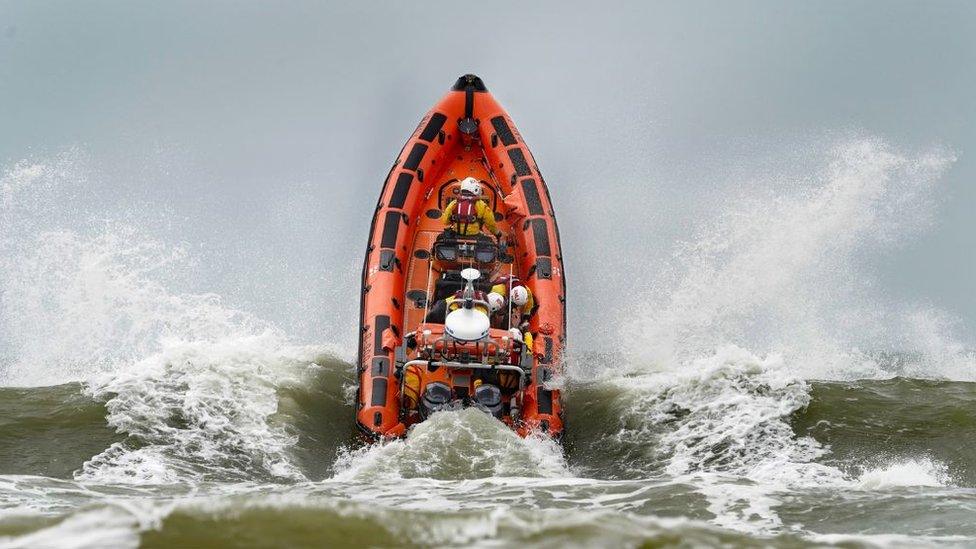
439, 311
522, 299
467, 214
499, 313
523, 302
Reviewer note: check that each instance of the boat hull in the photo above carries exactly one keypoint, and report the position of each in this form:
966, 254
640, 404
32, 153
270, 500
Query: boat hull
466, 134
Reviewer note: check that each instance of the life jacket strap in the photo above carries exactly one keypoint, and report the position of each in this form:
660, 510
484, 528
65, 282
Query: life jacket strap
465, 213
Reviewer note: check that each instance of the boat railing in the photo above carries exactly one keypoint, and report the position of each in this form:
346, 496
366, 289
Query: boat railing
484, 348
450, 364
522, 373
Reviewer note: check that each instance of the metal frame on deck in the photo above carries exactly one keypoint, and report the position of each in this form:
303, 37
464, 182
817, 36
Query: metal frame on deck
523, 375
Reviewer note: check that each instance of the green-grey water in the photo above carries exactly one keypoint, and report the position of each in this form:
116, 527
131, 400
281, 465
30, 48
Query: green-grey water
894, 465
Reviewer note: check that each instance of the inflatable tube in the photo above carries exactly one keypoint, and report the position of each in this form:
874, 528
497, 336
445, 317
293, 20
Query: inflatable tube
466, 134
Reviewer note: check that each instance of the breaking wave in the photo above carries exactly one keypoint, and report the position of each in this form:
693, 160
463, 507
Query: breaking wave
190, 382
773, 292
455, 445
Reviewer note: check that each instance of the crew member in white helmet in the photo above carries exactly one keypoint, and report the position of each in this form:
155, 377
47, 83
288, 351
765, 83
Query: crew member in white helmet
469, 213
523, 301
498, 310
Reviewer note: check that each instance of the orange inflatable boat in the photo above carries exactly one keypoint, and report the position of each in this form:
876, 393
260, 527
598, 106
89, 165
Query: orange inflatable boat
432, 334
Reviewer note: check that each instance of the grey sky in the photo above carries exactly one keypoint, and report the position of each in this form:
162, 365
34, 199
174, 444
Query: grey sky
259, 133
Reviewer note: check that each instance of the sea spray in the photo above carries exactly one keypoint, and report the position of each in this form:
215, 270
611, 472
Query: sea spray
783, 268
918, 472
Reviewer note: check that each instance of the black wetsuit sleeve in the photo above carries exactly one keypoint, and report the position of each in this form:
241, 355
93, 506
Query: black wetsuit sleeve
438, 312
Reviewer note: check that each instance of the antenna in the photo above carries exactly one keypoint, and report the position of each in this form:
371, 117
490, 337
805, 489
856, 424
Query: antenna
470, 275
509, 296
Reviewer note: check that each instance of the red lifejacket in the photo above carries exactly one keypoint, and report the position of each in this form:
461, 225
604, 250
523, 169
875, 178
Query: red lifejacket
465, 213
478, 295
510, 281
458, 298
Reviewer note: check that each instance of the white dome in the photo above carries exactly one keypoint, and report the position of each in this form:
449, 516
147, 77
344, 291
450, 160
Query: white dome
467, 325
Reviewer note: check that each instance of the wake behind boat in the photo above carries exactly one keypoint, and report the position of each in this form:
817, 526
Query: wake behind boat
463, 296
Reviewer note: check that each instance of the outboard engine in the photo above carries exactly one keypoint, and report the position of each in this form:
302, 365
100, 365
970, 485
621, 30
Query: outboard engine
437, 397
489, 398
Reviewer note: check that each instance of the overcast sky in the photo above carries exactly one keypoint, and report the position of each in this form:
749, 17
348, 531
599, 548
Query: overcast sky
258, 134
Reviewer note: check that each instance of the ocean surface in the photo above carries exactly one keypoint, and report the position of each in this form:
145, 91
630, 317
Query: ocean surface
760, 393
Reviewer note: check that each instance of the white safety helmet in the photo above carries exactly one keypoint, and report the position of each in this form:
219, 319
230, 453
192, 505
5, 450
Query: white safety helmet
520, 295
471, 186
495, 301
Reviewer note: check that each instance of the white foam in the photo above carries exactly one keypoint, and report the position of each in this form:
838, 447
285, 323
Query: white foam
105, 527
723, 420
462, 444
201, 409
724, 423
917, 472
